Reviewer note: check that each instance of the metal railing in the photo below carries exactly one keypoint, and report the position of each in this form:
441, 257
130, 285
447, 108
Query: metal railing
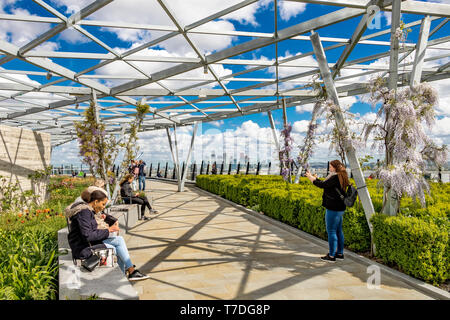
167, 170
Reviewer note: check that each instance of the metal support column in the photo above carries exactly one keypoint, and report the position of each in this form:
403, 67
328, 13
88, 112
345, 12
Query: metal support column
421, 47
274, 132
183, 177
363, 192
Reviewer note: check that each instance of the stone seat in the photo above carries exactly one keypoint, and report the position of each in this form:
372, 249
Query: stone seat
75, 283
127, 214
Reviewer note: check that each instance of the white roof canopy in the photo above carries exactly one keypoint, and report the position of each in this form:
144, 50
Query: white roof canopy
175, 93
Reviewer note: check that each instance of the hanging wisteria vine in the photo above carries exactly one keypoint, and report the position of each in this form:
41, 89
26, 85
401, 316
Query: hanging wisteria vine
285, 153
399, 131
97, 150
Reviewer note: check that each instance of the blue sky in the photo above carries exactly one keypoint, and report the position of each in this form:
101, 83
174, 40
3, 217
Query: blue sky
256, 18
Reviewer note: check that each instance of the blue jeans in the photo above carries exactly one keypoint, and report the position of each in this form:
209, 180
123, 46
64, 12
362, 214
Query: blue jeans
142, 181
333, 221
121, 251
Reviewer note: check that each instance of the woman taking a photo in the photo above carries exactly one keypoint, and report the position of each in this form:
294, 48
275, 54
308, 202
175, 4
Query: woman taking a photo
333, 185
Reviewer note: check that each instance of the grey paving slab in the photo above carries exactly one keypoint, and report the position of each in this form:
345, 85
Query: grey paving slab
201, 247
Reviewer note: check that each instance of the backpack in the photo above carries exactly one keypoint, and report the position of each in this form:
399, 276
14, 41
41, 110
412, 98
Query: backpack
350, 196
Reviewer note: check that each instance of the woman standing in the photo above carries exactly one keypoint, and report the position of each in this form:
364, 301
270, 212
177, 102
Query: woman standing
336, 182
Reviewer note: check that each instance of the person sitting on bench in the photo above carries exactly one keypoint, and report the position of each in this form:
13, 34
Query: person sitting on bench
126, 192
85, 236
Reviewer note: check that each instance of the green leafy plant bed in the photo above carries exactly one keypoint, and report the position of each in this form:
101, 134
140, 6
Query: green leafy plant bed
28, 243
416, 241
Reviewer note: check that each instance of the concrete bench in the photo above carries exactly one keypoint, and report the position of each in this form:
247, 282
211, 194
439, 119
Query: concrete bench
75, 283
127, 214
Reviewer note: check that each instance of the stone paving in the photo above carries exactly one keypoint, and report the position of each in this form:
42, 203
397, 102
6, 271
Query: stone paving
198, 247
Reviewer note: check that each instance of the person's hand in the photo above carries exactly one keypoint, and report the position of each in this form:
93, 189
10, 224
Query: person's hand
310, 176
137, 193
113, 228
103, 216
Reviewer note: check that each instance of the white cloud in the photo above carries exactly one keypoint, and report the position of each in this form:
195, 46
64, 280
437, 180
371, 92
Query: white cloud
304, 108
300, 126
73, 36
218, 123
21, 33
117, 68
289, 10
441, 127
186, 12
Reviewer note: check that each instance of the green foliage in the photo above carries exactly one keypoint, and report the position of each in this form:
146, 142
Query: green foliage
131, 147
28, 263
10, 197
41, 174
300, 205
28, 243
419, 248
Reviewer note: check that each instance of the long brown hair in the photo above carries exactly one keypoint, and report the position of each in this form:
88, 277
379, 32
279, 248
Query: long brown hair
127, 177
342, 173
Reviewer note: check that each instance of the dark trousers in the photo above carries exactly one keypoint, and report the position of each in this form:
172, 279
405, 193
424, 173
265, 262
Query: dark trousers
143, 201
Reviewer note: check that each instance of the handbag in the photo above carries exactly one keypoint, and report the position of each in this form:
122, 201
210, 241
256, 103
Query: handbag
91, 263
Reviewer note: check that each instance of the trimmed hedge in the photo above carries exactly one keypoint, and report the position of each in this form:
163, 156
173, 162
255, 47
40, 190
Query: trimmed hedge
298, 205
419, 248
417, 240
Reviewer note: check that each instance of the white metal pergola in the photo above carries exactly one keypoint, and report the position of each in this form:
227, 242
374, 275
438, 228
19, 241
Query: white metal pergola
69, 92
21, 102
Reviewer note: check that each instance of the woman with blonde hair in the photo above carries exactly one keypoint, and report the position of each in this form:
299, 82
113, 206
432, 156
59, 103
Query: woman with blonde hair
333, 185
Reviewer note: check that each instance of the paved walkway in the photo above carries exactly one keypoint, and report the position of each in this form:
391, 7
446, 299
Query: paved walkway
199, 247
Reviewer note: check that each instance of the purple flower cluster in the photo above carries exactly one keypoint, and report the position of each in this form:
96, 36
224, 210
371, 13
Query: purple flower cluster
403, 136
284, 154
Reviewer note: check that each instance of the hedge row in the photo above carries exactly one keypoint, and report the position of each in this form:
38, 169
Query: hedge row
417, 240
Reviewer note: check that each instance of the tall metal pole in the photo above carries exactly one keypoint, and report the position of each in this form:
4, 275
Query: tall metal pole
274, 133
177, 167
183, 178
390, 200
363, 191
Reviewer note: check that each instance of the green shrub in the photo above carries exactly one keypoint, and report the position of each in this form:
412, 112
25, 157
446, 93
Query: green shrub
417, 247
417, 240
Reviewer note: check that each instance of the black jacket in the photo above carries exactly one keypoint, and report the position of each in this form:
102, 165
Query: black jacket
84, 229
126, 191
330, 198
141, 169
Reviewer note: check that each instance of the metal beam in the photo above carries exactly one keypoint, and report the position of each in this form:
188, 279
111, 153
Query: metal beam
363, 191
184, 173
393, 61
421, 48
